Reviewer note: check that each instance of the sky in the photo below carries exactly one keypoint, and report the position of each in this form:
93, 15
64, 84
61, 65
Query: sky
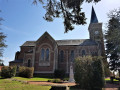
24, 21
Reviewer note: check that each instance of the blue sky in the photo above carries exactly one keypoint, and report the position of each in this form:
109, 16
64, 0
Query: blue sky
24, 21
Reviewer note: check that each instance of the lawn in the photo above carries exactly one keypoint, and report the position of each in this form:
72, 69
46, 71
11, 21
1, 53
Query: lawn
6, 84
107, 79
32, 79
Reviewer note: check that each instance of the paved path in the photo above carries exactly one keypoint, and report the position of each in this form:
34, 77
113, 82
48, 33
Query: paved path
111, 86
51, 84
107, 86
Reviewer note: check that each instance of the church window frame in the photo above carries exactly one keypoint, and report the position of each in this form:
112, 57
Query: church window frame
79, 52
61, 56
42, 54
72, 55
29, 63
83, 53
47, 54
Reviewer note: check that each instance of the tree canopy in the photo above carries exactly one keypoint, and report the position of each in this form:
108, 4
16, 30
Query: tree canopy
2, 39
112, 37
70, 10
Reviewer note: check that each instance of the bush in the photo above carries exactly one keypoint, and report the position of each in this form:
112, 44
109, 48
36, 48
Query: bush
58, 88
8, 71
59, 74
89, 72
65, 79
26, 72
56, 81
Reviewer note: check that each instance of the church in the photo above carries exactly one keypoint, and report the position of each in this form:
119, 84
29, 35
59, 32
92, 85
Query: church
47, 54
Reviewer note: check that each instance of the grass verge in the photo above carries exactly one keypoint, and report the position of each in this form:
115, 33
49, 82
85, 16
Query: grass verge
6, 84
32, 79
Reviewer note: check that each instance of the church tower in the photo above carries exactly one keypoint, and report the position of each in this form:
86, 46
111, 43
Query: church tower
95, 32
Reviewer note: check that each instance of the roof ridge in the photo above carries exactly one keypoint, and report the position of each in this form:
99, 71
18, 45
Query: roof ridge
70, 39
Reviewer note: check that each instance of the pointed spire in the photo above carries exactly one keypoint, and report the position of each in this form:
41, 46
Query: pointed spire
93, 16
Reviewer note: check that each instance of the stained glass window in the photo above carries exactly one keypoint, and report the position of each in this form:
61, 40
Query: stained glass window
29, 61
83, 52
61, 56
47, 54
42, 54
72, 55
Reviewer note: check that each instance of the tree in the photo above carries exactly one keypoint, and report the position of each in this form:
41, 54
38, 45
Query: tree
70, 10
112, 37
2, 39
89, 72
1, 63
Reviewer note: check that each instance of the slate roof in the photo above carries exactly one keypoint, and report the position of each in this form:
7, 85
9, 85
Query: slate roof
29, 43
93, 17
78, 42
17, 61
81, 42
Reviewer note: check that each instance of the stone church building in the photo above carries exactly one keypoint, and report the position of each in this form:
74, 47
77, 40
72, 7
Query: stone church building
47, 54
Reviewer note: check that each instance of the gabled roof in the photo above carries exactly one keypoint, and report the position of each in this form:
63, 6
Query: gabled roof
81, 42
45, 35
78, 42
17, 61
93, 16
29, 43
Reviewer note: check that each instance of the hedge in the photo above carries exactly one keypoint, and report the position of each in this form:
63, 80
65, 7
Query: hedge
89, 72
59, 73
8, 71
26, 72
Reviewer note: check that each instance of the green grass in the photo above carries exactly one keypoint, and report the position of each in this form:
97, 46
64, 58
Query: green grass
6, 84
107, 79
32, 79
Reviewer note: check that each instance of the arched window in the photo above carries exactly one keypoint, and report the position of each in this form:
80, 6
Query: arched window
29, 62
47, 54
72, 55
96, 54
61, 55
83, 52
42, 54
79, 52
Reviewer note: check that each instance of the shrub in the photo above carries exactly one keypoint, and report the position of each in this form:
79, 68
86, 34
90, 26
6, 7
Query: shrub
56, 81
65, 79
8, 71
89, 72
26, 72
98, 72
59, 74
58, 88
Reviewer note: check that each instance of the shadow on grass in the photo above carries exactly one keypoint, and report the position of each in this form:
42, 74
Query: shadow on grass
77, 87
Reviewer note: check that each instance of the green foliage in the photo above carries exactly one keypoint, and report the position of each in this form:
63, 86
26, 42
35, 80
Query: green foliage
32, 79
26, 72
2, 39
65, 79
70, 10
112, 37
89, 72
6, 84
59, 74
55, 81
98, 72
8, 71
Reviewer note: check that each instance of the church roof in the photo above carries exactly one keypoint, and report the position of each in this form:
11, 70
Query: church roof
29, 43
81, 42
17, 61
93, 17
78, 42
